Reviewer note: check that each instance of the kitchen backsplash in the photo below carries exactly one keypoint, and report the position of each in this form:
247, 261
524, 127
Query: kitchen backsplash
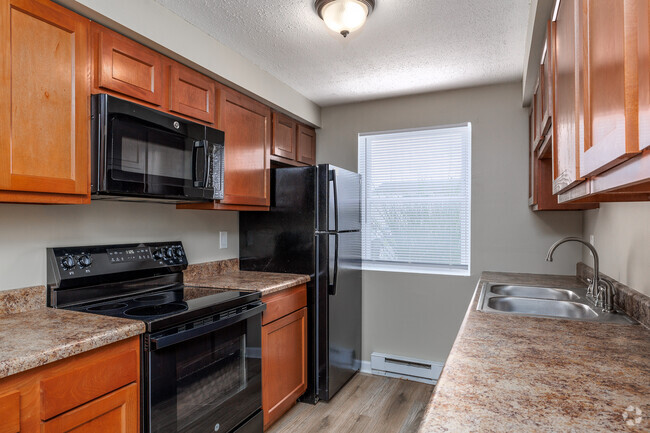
635, 304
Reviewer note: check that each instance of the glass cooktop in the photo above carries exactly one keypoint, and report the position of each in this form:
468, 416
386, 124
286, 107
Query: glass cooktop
171, 307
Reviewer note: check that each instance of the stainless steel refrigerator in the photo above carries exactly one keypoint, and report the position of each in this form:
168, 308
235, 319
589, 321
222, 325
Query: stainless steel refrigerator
313, 228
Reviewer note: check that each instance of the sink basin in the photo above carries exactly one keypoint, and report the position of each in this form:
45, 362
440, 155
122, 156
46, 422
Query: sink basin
542, 307
534, 292
550, 302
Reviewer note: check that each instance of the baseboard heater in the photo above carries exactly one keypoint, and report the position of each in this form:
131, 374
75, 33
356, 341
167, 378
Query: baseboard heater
401, 367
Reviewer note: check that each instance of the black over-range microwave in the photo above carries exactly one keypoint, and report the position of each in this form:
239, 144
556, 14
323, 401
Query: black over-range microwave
143, 154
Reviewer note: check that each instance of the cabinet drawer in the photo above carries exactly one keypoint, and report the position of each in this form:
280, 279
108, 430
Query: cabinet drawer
191, 93
10, 412
86, 381
116, 412
285, 302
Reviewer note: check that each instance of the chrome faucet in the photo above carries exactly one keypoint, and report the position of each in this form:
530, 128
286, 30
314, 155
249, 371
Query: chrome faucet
594, 285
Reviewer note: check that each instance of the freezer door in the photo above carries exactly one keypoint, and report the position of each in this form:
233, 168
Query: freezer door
339, 199
344, 310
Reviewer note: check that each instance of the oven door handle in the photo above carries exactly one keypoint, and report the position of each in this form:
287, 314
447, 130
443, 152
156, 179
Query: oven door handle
163, 341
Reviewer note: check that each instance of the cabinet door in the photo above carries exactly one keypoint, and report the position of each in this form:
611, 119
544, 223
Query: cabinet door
284, 136
284, 364
247, 124
565, 118
126, 67
644, 74
547, 88
610, 83
191, 93
537, 109
10, 412
116, 412
44, 103
532, 199
306, 151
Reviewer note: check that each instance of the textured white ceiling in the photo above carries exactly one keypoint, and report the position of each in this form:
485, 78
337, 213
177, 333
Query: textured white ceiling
406, 46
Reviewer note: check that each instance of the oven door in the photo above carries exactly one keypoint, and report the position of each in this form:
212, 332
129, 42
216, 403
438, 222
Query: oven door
205, 376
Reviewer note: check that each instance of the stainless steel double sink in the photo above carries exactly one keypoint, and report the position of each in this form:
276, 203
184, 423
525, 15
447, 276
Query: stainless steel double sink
545, 302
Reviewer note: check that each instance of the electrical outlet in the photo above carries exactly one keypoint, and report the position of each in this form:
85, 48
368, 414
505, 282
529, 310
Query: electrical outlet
223, 240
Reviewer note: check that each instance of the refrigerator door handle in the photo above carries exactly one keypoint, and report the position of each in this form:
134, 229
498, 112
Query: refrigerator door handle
333, 274
335, 189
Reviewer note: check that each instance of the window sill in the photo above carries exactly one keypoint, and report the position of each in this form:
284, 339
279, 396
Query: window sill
414, 269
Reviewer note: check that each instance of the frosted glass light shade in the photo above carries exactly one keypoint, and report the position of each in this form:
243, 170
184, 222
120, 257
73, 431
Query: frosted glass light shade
344, 16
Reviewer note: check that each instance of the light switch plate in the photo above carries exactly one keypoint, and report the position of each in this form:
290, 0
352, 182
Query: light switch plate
223, 240
591, 240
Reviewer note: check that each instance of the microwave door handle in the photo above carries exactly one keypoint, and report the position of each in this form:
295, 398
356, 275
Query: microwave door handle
198, 145
155, 343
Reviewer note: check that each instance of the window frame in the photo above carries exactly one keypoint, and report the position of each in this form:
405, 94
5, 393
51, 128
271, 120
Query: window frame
419, 268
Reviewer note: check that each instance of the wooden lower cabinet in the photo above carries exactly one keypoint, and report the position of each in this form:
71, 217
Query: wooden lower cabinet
96, 391
113, 413
284, 353
10, 412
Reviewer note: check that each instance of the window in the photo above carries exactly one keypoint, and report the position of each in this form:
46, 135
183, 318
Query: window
416, 200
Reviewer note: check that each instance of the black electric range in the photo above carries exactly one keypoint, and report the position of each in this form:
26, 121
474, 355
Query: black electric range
201, 352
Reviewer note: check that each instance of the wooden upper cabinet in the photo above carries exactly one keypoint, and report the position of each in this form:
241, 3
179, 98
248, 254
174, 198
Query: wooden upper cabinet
610, 81
191, 93
547, 77
306, 148
44, 103
127, 67
247, 125
566, 97
538, 112
531, 159
644, 73
284, 136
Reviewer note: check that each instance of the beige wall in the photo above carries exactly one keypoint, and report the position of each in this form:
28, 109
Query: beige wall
622, 238
26, 230
151, 24
419, 315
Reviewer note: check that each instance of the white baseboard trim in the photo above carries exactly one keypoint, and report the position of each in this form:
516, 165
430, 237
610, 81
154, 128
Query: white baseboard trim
436, 369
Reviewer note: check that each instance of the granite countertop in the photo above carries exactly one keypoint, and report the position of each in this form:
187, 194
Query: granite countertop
509, 373
263, 282
29, 339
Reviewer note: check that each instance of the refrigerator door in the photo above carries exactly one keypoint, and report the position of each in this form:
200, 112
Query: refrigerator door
339, 201
343, 311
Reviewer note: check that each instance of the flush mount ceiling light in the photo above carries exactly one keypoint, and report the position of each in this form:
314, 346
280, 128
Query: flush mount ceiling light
344, 16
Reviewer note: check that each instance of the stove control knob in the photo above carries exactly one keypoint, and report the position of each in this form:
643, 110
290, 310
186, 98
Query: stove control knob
169, 252
67, 262
179, 251
158, 254
85, 260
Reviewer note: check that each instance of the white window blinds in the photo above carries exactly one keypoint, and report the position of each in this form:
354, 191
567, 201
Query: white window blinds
416, 199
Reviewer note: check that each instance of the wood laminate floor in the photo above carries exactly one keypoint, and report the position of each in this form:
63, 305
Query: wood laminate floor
367, 404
